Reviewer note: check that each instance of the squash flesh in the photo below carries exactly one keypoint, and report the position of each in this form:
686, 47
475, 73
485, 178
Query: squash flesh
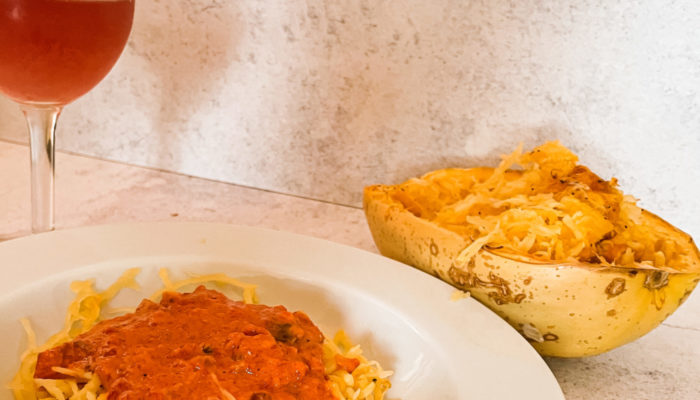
552, 209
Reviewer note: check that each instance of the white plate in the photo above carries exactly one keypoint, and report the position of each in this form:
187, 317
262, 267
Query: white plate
439, 349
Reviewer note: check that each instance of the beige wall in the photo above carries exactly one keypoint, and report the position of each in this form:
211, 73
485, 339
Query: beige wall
321, 98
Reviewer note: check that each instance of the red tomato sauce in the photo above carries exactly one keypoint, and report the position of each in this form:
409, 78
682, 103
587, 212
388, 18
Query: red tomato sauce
190, 346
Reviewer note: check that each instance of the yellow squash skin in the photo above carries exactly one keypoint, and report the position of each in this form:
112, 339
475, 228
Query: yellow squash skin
564, 310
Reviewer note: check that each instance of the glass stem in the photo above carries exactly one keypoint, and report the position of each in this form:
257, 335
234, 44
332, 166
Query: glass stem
42, 131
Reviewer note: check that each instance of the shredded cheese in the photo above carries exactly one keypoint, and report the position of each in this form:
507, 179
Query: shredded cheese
543, 205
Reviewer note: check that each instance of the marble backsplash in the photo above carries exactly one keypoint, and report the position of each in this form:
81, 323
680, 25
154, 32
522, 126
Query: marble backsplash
320, 98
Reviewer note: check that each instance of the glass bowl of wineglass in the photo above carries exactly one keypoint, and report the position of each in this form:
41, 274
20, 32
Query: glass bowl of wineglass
51, 53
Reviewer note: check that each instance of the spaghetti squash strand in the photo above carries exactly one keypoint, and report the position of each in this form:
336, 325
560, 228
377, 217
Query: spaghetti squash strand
551, 209
367, 381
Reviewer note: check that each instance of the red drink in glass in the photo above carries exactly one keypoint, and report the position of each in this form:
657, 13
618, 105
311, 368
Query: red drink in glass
51, 53
54, 51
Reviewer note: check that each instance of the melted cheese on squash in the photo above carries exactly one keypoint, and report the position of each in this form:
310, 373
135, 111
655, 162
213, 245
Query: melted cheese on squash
543, 205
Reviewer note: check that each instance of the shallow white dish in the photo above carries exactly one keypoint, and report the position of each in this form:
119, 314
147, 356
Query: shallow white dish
439, 349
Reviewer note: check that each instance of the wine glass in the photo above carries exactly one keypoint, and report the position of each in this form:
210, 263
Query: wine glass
51, 53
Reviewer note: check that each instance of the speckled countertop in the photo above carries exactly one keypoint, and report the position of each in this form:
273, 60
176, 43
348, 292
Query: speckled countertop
664, 364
